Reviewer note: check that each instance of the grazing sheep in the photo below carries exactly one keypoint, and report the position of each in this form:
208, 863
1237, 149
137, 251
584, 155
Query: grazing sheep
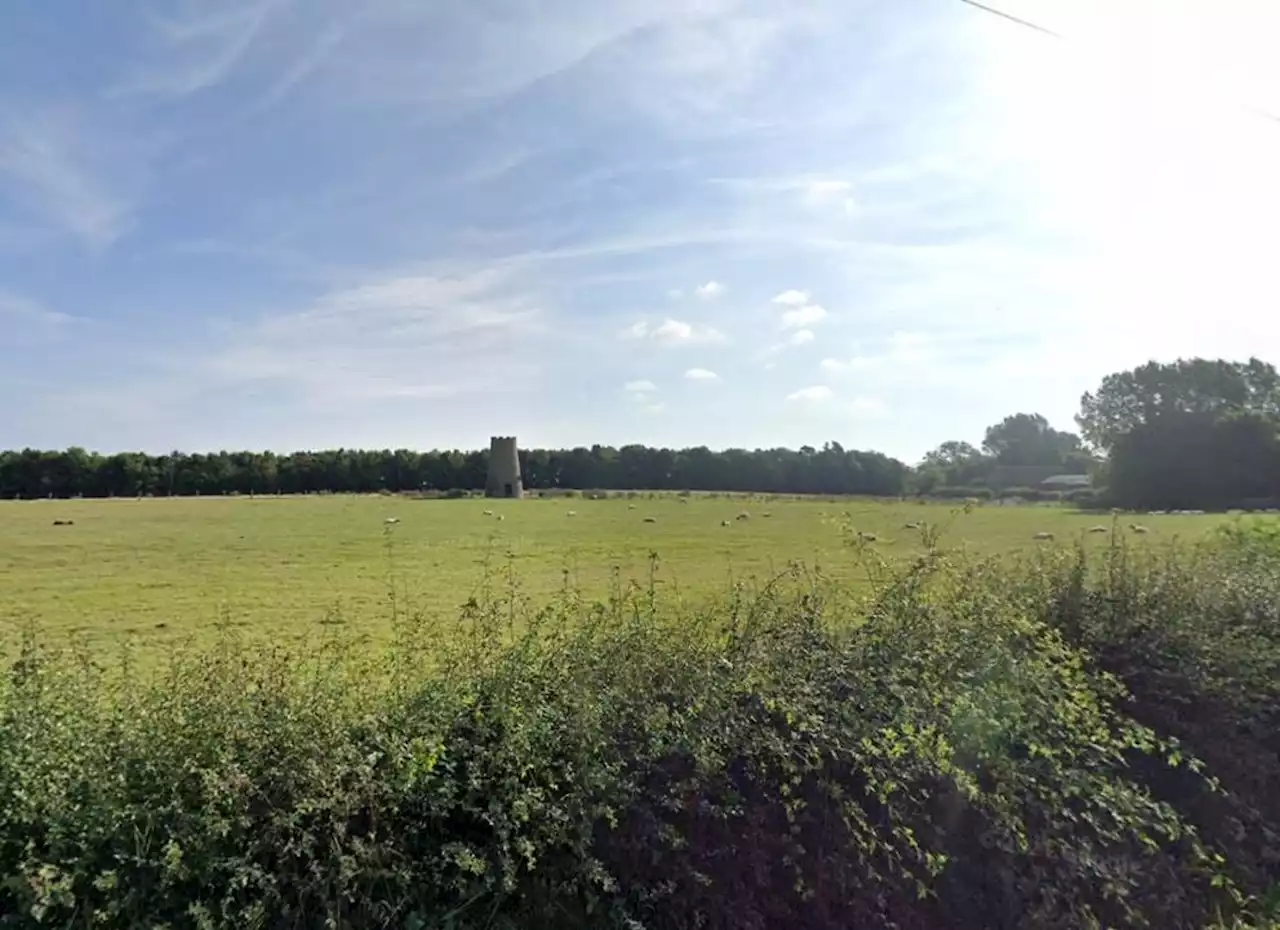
867, 537
743, 516
1043, 536
631, 506
64, 522
726, 523
766, 514
1137, 528
501, 517
571, 513
488, 513
911, 526
650, 519
391, 520
1097, 529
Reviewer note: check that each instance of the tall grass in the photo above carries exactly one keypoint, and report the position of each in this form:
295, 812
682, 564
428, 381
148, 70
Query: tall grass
970, 744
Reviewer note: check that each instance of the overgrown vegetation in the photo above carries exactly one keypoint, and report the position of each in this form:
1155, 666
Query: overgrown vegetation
970, 744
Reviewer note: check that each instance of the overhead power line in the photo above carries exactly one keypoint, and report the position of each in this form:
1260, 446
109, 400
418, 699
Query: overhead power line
1045, 30
1013, 19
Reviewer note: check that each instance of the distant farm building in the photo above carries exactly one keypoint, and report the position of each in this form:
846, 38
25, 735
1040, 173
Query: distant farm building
1040, 477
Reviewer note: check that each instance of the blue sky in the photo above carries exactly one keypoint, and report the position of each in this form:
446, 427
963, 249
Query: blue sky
315, 223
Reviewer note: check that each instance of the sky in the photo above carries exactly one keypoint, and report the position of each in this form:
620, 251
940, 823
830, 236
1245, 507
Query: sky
287, 224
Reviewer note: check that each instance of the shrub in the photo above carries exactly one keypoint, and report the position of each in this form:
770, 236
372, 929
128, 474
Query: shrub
941, 752
1194, 637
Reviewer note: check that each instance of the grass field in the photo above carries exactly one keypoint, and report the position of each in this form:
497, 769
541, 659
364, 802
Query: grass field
289, 567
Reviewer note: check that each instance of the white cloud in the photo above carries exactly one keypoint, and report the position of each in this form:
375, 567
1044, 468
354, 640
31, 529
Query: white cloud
792, 298
817, 394
393, 337
701, 374
637, 330
803, 316
639, 387
675, 293
673, 333
801, 337
710, 290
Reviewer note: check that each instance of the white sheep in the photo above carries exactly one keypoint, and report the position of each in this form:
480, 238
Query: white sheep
743, 516
650, 519
391, 520
501, 517
1137, 528
766, 514
1043, 536
571, 513
911, 526
726, 523
488, 513
867, 537
1098, 529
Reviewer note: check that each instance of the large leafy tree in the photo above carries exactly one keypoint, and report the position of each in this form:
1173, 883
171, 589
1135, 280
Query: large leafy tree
950, 453
1028, 439
1208, 388
1191, 433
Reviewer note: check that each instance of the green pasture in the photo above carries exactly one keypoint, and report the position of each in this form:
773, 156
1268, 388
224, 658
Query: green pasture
292, 567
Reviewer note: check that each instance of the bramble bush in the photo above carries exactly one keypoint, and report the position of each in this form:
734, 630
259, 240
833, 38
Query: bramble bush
962, 744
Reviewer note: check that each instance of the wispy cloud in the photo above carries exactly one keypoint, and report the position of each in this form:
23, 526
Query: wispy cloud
199, 47
53, 164
900, 351
396, 337
821, 397
710, 290
24, 310
701, 374
673, 333
639, 387
801, 337
826, 193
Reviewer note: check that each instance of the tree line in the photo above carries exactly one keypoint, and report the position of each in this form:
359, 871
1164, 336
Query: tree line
75, 472
1194, 433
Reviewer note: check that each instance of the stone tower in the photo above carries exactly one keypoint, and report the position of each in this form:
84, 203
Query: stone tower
504, 468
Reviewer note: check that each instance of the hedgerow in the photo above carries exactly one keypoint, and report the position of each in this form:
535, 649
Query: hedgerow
969, 744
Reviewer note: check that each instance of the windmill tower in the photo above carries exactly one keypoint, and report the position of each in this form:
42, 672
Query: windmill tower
504, 468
